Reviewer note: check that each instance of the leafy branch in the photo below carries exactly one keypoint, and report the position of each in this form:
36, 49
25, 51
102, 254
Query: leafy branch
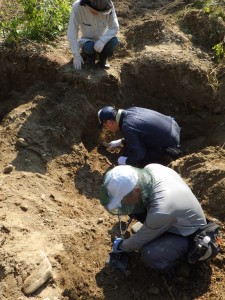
219, 51
39, 20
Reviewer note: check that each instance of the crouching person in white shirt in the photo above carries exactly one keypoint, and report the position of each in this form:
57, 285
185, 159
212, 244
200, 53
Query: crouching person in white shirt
98, 25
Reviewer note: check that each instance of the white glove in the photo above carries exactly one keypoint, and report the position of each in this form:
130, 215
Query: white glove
99, 45
115, 144
122, 160
77, 62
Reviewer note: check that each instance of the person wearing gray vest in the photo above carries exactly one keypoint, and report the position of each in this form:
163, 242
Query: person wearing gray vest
158, 197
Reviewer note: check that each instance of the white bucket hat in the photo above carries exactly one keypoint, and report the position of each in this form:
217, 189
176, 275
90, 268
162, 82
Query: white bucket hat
119, 182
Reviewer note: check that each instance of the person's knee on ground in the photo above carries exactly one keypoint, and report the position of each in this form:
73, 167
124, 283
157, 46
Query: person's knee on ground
165, 252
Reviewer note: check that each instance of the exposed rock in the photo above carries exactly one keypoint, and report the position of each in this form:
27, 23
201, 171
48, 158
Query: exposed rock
40, 275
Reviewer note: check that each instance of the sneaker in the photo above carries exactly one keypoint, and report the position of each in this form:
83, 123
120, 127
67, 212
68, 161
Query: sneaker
104, 63
175, 152
89, 60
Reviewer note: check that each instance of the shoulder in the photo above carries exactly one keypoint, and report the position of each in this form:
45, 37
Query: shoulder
161, 170
76, 5
79, 11
130, 110
113, 12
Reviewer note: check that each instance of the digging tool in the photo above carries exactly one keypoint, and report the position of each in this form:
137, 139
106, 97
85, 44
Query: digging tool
120, 260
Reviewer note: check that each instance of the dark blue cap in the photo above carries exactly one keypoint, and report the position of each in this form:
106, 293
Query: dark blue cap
106, 113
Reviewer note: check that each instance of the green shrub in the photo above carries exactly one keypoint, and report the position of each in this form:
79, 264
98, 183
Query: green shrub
219, 51
38, 20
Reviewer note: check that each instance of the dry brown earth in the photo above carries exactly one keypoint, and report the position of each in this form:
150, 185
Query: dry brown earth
52, 161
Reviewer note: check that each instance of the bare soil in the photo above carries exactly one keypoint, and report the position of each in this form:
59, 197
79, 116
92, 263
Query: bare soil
52, 160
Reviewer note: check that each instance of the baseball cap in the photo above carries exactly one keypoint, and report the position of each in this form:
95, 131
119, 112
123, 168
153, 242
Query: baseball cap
103, 6
106, 113
118, 182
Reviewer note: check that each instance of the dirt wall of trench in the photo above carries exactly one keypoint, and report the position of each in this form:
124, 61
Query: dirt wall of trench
52, 161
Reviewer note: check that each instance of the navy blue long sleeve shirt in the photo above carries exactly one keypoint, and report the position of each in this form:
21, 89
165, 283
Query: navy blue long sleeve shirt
145, 130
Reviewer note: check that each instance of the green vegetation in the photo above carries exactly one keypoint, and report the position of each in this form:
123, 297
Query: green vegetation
45, 20
38, 20
205, 20
217, 11
219, 51
216, 7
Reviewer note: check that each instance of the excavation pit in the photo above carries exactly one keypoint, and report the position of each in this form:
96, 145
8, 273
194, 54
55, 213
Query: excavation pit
49, 135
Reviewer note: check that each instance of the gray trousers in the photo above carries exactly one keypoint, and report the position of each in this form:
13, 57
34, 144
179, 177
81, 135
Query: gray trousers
165, 252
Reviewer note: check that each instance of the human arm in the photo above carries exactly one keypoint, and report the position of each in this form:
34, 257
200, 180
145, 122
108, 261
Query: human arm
135, 149
77, 62
73, 28
116, 245
112, 27
154, 226
122, 160
116, 143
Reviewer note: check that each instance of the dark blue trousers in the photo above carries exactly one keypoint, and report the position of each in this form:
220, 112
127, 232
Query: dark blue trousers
88, 48
165, 252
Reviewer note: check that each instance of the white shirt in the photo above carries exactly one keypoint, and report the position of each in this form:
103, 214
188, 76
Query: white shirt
93, 27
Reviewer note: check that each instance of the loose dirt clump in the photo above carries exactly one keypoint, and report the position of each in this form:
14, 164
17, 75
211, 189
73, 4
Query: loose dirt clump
52, 160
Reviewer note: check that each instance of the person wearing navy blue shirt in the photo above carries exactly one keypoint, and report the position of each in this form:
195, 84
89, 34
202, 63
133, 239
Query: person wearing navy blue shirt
148, 136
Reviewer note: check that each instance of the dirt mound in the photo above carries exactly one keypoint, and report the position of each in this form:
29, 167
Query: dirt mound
52, 161
205, 173
206, 30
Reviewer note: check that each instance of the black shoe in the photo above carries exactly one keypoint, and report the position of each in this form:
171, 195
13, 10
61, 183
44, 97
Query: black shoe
104, 63
174, 153
90, 61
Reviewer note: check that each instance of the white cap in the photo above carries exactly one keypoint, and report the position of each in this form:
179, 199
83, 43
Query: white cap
119, 182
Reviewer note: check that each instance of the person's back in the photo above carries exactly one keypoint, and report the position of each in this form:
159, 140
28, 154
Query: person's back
172, 208
148, 135
172, 197
153, 127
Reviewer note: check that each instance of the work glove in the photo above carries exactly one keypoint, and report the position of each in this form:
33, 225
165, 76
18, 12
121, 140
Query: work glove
77, 62
116, 245
99, 45
115, 144
122, 160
